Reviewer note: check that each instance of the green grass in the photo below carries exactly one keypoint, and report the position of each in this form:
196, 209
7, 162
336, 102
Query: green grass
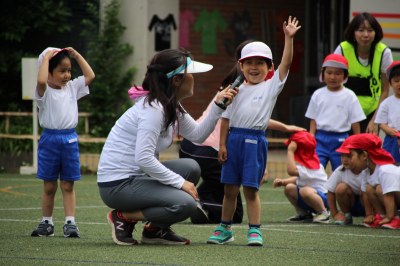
285, 244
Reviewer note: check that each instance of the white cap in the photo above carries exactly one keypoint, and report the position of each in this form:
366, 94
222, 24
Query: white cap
41, 56
254, 49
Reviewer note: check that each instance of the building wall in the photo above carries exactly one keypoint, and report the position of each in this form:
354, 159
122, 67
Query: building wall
264, 24
214, 30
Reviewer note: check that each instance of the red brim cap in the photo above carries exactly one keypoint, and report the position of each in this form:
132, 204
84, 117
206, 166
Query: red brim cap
343, 149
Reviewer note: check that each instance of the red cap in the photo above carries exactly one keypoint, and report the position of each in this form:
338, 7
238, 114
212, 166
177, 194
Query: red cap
305, 153
370, 143
343, 148
334, 60
391, 66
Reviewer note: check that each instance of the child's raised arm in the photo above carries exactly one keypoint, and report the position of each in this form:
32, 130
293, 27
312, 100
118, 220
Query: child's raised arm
289, 28
83, 64
43, 74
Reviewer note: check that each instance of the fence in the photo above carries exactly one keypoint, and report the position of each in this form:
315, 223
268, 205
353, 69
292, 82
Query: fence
89, 161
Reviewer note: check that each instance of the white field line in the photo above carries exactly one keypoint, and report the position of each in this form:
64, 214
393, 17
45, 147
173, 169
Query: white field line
274, 227
103, 206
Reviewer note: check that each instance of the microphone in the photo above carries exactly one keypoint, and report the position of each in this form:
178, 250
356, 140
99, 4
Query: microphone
239, 80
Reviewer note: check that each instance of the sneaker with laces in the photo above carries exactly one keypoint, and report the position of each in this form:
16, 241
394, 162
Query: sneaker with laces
321, 218
70, 230
121, 229
254, 237
375, 223
301, 218
162, 236
44, 229
393, 224
221, 235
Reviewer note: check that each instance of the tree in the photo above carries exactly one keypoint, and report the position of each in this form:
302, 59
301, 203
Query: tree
106, 54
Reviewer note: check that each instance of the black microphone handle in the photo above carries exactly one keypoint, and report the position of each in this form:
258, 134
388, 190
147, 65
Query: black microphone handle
236, 83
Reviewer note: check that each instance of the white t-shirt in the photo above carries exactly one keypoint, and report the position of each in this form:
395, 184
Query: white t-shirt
342, 175
133, 145
253, 105
388, 176
315, 178
334, 111
58, 109
389, 112
387, 58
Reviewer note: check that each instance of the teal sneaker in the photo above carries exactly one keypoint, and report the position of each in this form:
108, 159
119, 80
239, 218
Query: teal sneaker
254, 237
221, 236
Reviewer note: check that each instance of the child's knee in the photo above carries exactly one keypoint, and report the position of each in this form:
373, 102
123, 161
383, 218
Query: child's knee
67, 186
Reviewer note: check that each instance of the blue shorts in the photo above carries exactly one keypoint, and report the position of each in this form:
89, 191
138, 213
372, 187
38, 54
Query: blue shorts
58, 155
357, 209
390, 145
327, 143
247, 157
304, 206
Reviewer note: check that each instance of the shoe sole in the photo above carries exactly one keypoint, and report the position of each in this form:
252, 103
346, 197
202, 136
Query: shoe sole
220, 243
114, 237
42, 235
73, 235
255, 244
322, 222
160, 241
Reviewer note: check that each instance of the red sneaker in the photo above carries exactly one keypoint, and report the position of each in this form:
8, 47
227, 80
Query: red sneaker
375, 223
394, 223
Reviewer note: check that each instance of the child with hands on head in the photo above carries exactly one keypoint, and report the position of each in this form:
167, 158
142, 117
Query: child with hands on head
243, 145
305, 188
344, 189
333, 110
382, 184
56, 96
388, 115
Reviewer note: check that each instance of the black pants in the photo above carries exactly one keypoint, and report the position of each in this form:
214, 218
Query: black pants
211, 190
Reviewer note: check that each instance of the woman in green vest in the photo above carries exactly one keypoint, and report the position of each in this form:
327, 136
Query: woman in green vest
368, 59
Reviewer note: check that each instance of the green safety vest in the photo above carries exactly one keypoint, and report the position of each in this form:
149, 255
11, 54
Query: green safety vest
365, 81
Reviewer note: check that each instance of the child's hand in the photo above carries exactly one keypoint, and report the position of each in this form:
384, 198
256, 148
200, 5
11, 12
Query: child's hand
339, 217
385, 220
50, 53
72, 52
369, 219
278, 182
222, 154
290, 27
265, 178
292, 146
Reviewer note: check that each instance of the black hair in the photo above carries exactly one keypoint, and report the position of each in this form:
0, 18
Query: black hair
395, 72
161, 87
56, 60
355, 25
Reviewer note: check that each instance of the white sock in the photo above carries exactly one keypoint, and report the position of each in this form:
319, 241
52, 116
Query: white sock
49, 219
325, 212
70, 218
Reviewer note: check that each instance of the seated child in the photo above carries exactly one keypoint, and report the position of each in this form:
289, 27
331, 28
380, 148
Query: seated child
382, 184
344, 189
305, 188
